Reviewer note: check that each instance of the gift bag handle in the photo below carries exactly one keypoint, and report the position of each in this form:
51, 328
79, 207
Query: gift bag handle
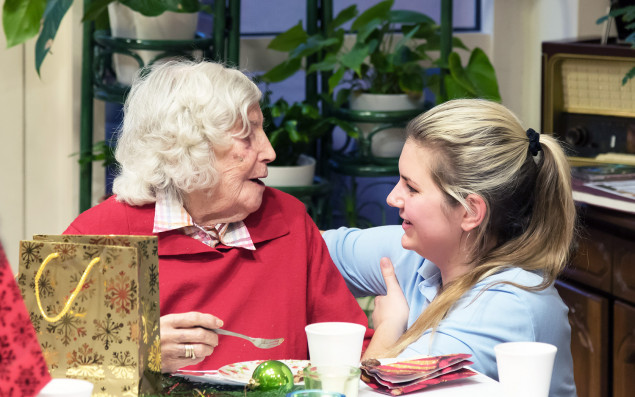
71, 299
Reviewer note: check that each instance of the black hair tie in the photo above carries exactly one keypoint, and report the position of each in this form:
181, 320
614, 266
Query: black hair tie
534, 142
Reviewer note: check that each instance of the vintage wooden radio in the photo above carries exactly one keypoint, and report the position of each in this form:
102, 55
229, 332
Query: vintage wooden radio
584, 101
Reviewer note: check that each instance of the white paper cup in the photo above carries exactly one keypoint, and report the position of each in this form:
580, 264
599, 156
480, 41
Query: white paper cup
524, 368
335, 343
59, 387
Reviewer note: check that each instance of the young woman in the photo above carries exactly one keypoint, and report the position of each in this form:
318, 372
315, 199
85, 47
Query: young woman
488, 220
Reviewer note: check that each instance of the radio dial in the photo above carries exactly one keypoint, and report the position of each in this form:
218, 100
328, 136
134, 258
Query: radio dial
577, 136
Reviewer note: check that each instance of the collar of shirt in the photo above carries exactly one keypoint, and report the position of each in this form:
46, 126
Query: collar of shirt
431, 276
169, 214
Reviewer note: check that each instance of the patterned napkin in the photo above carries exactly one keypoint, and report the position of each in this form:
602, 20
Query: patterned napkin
407, 376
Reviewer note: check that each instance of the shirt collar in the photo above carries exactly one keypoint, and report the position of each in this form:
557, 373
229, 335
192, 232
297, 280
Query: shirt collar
169, 214
431, 276
267, 223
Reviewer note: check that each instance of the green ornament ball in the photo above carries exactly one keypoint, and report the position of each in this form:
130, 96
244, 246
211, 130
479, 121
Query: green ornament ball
272, 375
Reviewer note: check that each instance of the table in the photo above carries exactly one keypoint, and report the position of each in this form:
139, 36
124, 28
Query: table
475, 386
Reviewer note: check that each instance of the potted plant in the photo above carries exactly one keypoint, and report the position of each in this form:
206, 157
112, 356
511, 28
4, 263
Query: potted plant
624, 14
294, 131
22, 19
385, 62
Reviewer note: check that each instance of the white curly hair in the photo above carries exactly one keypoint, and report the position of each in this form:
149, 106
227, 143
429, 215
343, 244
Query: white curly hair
175, 117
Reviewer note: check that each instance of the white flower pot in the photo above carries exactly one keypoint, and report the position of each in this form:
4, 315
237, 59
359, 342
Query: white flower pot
130, 24
388, 142
293, 175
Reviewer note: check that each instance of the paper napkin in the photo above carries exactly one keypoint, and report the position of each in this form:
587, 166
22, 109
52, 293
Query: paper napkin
407, 376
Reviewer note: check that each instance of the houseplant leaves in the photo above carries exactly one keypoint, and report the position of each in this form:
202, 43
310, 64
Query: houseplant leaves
476, 80
21, 19
55, 11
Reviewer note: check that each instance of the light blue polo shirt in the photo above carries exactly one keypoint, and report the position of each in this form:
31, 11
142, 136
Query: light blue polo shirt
476, 323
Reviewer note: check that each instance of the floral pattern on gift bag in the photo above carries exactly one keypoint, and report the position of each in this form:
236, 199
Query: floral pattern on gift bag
108, 323
23, 370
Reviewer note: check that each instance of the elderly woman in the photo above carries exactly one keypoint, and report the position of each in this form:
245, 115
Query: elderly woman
232, 252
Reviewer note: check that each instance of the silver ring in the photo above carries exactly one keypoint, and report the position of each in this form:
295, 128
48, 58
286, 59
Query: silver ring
189, 352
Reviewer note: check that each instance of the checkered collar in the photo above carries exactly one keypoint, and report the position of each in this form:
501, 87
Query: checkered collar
169, 214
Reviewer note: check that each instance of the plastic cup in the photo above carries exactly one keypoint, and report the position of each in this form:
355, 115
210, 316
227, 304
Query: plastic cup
335, 343
66, 387
333, 378
524, 368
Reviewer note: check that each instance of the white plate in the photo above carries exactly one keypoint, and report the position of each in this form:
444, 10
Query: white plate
209, 376
241, 372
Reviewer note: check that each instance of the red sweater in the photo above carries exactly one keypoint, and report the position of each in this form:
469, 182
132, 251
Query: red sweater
289, 281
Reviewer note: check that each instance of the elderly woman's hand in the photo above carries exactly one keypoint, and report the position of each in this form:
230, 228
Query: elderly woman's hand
187, 338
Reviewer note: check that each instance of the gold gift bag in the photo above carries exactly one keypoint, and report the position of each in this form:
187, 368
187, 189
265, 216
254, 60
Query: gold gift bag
94, 303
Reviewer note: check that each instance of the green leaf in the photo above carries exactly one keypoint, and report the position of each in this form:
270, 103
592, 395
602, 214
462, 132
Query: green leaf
335, 79
327, 64
434, 85
476, 80
378, 11
433, 43
95, 8
454, 90
424, 31
350, 129
282, 71
354, 58
341, 98
275, 136
343, 16
622, 11
601, 19
459, 75
101, 151
310, 111
55, 11
629, 75
626, 12
412, 81
287, 41
313, 45
152, 8
409, 17
458, 43
405, 39
367, 29
291, 127
482, 75
21, 20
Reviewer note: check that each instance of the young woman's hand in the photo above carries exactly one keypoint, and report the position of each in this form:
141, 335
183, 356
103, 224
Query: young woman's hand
390, 317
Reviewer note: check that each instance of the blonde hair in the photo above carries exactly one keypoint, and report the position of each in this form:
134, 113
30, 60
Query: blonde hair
175, 116
481, 148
